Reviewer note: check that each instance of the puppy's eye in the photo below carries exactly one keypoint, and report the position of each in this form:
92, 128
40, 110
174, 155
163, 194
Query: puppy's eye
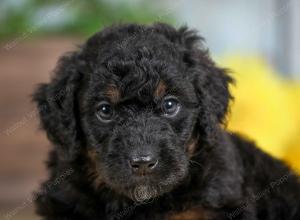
170, 106
104, 111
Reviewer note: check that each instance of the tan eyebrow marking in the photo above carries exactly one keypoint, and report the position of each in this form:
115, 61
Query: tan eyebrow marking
160, 89
113, 93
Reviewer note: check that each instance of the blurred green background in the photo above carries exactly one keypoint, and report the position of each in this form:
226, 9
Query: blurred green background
71, 17
257, 40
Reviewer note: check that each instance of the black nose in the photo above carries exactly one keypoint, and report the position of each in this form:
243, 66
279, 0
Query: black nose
143, 165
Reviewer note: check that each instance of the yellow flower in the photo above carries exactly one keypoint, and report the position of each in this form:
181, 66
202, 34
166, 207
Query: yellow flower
266, 107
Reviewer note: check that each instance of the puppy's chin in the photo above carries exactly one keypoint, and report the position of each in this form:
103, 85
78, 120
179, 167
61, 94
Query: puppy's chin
147, 189
145, 192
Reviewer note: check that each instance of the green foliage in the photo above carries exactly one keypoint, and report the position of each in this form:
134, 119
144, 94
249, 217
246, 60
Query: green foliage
76, 17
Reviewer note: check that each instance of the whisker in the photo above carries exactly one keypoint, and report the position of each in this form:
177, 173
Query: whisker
195, 162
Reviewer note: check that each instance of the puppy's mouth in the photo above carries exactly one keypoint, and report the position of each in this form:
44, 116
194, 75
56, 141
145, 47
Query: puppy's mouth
146, 189
144, 193
144, 179
140, 190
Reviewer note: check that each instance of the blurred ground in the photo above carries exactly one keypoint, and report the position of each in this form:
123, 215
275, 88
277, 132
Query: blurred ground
23, 147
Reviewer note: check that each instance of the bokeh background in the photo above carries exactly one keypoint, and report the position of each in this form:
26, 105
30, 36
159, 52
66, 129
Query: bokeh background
258, 40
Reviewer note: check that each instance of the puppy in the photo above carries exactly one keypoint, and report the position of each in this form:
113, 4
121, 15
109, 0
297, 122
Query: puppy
135, 116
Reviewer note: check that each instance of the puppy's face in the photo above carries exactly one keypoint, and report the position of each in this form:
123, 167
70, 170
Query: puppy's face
137, 100
140, 115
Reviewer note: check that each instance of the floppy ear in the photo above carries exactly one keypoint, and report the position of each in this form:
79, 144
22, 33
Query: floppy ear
223, 176
211, 82
57, 107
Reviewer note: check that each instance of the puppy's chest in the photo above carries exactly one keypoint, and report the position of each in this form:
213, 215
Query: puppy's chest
196, 213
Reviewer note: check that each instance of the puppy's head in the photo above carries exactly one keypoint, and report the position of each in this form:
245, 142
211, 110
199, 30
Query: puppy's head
139, 101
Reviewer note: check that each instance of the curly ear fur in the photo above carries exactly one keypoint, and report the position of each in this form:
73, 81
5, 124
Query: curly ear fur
211, 85
56, 103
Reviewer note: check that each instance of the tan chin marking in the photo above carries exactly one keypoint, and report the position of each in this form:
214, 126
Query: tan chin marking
160, 89
113, 93
196, 213
93, 170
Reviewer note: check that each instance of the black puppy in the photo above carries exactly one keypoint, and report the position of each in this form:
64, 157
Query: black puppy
136, 116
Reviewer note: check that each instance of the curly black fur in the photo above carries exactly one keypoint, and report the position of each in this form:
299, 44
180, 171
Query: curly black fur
203, 171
